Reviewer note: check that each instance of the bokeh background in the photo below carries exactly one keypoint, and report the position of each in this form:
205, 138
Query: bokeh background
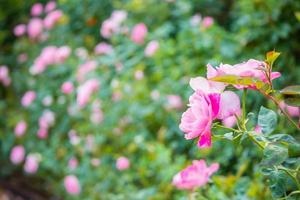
137, 97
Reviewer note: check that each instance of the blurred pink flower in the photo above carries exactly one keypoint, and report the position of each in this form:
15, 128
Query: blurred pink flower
31, 164
4, 75
174, 102
85, 91
292, 110
17, 154
207, 22
139, 74
151, 48
73, 137
122, 163
35, 28
197, 120
62, 53
52, 18
22, 58
258, 129
95, 162
103, 48
28, 98
113, 24
20, 30
51, 5
139, 33
85, 68
195, 175
229, 105
67, 87
97, 117
72, 185
195, 20
36, 9
42, 133
229, 121
47, 119
252, 68
73, 163
20, 128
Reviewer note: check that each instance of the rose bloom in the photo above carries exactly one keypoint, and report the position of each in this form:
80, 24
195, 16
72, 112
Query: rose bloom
174, 102
139, 33
207, 22
20, 30
103, 48
62, 53
35, 28
72, 185
52, 18
51, 5
195, 175
85, 91
42, 133
122, 163
28, 98
31, 164
17, 154
37, 9
22, 58
151, 48
195, 20
73, 163
20, 128
252, 68
292, 110
67, 87
85, 68
4, 75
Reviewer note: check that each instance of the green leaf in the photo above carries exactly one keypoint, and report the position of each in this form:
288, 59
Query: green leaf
291, 95
267, 120
297, 14
228, 136
238, 80
277, 183
272, 56
274, 154
294, 150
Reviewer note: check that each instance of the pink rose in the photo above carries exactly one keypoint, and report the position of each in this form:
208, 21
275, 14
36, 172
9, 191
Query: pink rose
37, 9
103, 48
42, 133
292, 110
20, 128
229, 105
85, 91
122, 163
207, 22
85, 68
197, 120
229, 121
139, 33
28, 98
67, 87
35, 28
195, 175
62, 53
174, 102
22, 58
31, 164
151, 48
52, 18
72, 185
20, 30
95, 162
73, 163
17, 154
113, 24
4, 75
51, 5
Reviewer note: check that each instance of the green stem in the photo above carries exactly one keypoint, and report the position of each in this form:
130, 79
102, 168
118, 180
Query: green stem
255, 141
244, 106
290, 174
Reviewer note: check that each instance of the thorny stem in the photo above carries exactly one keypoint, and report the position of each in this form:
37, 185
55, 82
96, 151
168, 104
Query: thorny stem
281, 109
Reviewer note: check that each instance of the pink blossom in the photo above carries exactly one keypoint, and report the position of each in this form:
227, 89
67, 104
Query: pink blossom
73, 163
85, 91
207, 22
252, 68
4, 75
258, 129
174, 102
47, 119
97, 117
72, 185
229, 105
95, 162
139, 33
103, 48
195, 20
17, 154
229, 121
20, 30
28, 98
20, 128
138, 74
122, 163
52, 18
292, 110
113, 24
195, 175
151, 48
51, 5
200, 83
22, 58
42, 133
37, 9
197, 120
67, 87
62, 53
35, 28
86, 68
31, 163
